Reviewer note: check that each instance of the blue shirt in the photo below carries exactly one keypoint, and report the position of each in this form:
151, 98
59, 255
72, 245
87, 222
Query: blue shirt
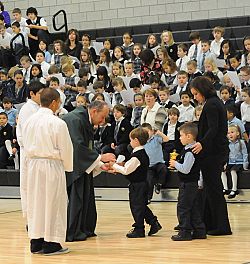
238, 153
239, 123
153, 149
12, 113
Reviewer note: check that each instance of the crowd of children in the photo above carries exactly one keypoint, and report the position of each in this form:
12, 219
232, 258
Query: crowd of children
140, 83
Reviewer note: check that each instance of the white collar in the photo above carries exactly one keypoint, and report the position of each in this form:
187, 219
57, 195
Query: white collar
137, 148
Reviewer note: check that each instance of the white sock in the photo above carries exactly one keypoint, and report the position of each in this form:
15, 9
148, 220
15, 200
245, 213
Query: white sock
224, 180
234, 180
8, 146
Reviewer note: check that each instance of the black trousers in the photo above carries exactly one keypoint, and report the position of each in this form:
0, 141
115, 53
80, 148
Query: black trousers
138, 198
215, 208
188, 212
4, 155
156, 174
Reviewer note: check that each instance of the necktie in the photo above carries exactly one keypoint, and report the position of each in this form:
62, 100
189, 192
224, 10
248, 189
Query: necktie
202, 62
179, 67
181, 90
25, 74
118, 98
195, 52
116, 130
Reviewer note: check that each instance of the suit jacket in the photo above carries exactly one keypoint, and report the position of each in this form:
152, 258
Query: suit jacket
123, 132
6, 133
104, 135
213, 128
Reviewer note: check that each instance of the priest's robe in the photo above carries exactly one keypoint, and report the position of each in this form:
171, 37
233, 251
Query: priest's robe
82, 214
49, 153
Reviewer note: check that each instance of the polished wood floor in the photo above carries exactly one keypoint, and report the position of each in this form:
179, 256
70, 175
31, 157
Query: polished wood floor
111, 245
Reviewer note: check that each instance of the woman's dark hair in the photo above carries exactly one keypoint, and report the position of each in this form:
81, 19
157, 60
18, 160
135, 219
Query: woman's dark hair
45, 42
231, 48
147, 56
203, 86
31, 10
1, 6
69, 32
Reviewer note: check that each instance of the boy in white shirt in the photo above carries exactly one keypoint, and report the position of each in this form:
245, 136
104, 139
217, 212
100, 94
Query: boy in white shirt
186, 109
40, 58
183, 58
195, 49
218, 33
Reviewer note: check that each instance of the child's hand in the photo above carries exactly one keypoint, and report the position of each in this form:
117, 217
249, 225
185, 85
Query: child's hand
113, 146
172, 163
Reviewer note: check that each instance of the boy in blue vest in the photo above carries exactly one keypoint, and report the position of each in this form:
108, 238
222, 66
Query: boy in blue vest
188, 214
135, 170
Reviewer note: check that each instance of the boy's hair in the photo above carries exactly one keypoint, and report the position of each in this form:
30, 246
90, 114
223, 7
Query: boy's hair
82, 83
147, 125
173, 111
232, 109
35, 87
54, 79
246, 90
7, 100
189, 128
139, 94
16, 10
18, 72
205, 41
225, 87
4, 71
182, 73
164, 89
147, 56
118, 80
129, 63
236, 56
134, 82
31, 10
98, 85
3, 113
219, 29
83, 72
185, 93
53, 69
141, 134
68, 67
245, 69
183, 46
194, 35
192, 62
121, 108
40, 52
25, 58
48, 95
15, 24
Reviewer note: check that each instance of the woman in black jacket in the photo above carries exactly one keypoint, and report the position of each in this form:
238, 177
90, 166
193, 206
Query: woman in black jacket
212, 145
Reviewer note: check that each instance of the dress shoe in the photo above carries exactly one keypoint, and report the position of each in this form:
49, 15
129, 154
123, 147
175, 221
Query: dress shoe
232, 194
199, 235
226, 192
180, 237
158, 188
36, 245
219, 233
155, 227
135, 233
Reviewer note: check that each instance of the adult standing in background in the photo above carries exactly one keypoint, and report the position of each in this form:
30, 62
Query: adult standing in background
213, 148
5, 15
82, 214
72, 44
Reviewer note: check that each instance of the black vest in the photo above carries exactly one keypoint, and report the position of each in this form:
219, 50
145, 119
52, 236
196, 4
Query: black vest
34, 31
194, 174
140, 174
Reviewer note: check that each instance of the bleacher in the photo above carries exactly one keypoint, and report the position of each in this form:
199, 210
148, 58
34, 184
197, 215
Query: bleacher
236, 28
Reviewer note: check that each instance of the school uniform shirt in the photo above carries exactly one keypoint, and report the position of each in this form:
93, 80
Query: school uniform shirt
182, 63
172, 51
191, 51
186, 113
12, 114
121, 133
178, 89
26, 74
23, 25
45, 68
215, 47
201, 59
19, 39
5, 40
128, 49
169, 79
168, 104
239, 123
245, 112
238, 153
117, 99
6, 133
194, 75
48, 156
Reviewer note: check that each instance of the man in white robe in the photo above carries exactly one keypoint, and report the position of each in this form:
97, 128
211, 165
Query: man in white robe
27, 110
49, 153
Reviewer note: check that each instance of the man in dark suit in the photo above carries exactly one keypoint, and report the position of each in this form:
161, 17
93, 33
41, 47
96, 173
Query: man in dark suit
81, 208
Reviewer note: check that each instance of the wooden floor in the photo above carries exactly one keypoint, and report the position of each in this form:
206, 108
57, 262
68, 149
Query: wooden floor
111, 245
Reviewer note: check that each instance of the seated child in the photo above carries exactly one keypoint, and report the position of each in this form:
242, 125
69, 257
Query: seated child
238, 160
234, 61
7, 153
192, 70
190, 222
182, 80
120, 131
82, 88
10, 111
81, 101
183, 58
137, 110
171, 130
135, 170
157, 172
185, 108
170, 73
164, 94
225, 95
98, 87
55, 84
136, 85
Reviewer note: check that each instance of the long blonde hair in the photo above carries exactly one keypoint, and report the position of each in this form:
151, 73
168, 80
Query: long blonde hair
170, 37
